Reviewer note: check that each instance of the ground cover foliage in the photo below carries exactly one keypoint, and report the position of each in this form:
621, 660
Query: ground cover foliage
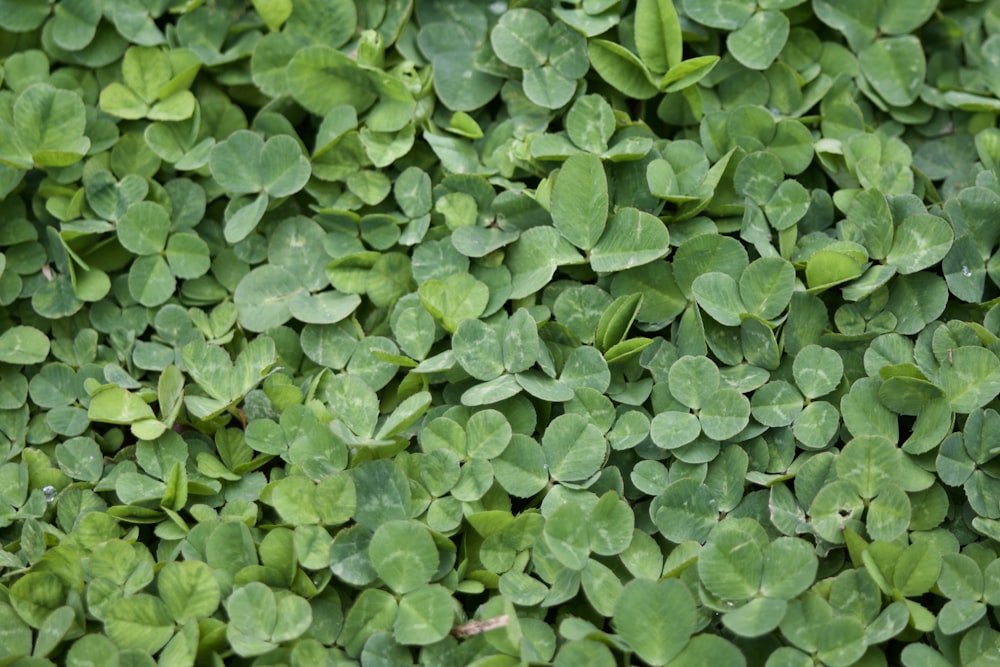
603, 332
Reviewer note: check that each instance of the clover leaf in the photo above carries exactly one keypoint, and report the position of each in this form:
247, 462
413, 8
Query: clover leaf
246, 164
46, 129
154, 85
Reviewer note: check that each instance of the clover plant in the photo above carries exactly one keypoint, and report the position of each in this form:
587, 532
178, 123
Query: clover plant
549, 332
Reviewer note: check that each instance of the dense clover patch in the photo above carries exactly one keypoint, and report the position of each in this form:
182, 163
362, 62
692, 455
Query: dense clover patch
590, 332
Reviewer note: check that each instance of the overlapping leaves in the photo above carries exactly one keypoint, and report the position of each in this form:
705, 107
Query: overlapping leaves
443, 333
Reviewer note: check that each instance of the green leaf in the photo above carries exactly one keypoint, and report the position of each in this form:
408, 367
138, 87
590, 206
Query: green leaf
520, 38
970, 379
658, 34
533, 258
921, 241
383, 493
320, 78
889, 514
574, 448
833, 507
590, 123
671, 430
611, 525
828, 268
478, 349
520, 469
425, 616
693, 380
140, 622
757, 42
244, 163
189, 590
895, 68
916, 570
789, 204
685, 510
260, 619
332, 23
790, 566
869, 213
263, 297
718, 295
50, 126
621, 68
615, 321
115, 405
724, 14
23, 345
869, 463
863, 414
520, 344
725, 413
817, 370
641, 599
731, 565
632, 238
143, 229
457, 297
758, 617
580, 201
404, 555
568, 536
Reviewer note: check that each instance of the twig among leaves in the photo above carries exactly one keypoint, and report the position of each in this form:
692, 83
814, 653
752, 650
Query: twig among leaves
478, 627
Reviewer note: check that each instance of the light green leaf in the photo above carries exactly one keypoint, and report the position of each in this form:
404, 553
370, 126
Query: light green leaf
640, 599
632, 238
970, 379
731, 565
520, 38
139, 622
263, 297
658, 34
320, 78
723, 14
621, 68
403, 554
23, 345
590, 123
568, 536
756, 43
921, 241
456, 298
719, 296
756, 618
766, 287
425, 616
580, 201
189, 590
725, 413
144, 227
50, 125
895, 67
574, 448
115, 405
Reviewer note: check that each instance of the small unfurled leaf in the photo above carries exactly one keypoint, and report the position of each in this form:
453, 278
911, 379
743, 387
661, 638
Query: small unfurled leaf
658, 34
621, 68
